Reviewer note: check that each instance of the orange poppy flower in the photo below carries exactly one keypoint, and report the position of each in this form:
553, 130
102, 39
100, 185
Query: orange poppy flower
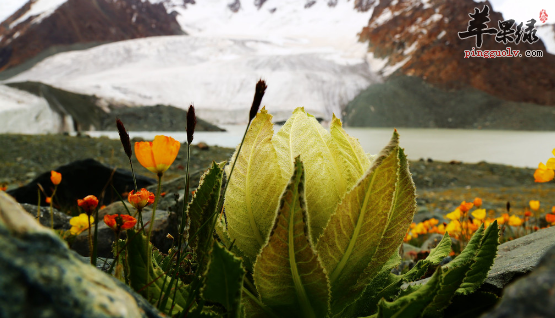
464, 207
140, 199
528, 213
3, 188
543, 173
48, 199
120, 222
550, 218
55, 177
158, 155
477, 202
88, 204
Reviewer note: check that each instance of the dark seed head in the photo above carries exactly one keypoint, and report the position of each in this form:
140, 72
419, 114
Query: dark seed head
258, 94
124, 137
191, 123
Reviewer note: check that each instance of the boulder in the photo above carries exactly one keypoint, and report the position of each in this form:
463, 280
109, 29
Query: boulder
517, 258
79, 179
165, 223
532, 295
61, 220
40, 277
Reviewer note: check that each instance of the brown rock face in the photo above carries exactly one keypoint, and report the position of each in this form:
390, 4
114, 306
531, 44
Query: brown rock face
82, 21
438, 57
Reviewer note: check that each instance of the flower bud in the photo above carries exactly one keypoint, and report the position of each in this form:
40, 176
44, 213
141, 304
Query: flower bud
258, 94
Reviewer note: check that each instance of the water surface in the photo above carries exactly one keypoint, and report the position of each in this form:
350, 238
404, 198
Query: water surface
516, 148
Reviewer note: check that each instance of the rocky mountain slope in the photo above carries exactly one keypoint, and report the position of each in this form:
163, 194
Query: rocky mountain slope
429, 83
420, 38
43, 27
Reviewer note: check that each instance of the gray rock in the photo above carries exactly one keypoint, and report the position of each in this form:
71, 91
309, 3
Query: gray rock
41, 278
61, 220
165, 223
530, 296
409, 251
518, 257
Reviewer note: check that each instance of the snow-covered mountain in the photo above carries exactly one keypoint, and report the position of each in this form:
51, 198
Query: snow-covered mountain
314, 53
308, 52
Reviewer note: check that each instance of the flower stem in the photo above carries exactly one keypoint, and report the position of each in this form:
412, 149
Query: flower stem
51, 210
148, 254
38, 206
90, 238
95, 241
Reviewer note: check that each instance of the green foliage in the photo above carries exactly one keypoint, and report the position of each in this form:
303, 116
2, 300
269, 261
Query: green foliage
322, 244
224, 280
137, 266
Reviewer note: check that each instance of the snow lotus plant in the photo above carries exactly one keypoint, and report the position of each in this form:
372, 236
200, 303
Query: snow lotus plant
318, 224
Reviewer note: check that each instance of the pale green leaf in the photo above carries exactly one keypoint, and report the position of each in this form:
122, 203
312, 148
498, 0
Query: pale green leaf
353, 234
288, 275
352, 158
224, 280
325, 181
400, 218
254, 189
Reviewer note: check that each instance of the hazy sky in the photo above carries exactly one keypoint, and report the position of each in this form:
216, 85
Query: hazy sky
523, 10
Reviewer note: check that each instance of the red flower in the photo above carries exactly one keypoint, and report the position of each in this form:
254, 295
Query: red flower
550, 218
88, 204
527, 213
140, 199
120, 222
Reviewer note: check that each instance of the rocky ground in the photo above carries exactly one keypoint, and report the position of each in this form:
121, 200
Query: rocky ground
441, 186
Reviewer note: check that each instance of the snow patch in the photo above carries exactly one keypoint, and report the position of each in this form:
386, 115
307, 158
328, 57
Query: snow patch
388, 70
547, 35
411, 48
216, 74
41, 8
441, 34
24, 113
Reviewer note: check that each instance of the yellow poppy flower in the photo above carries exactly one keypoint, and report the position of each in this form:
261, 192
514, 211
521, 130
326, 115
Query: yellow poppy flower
479, 214
543, 173
455, 215
158, 155
534, 205
515, 221
79, 223
453, 227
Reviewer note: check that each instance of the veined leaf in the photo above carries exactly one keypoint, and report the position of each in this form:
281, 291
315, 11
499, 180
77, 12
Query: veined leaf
435, 257
203, 206
441, 251
352, 158
412, 305
470, 250
483, 261
254, 189
224, 280
288, 275
367, 304
325, 181
354, 232
452, 279
400, 217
